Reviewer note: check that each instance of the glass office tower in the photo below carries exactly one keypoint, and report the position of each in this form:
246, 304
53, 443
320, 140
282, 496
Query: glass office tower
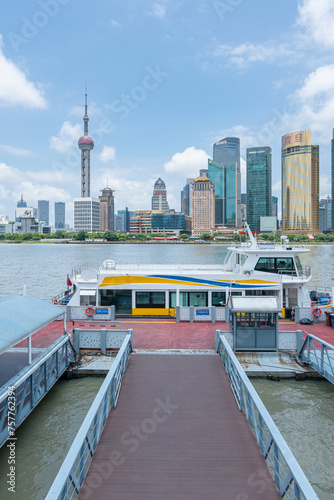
258, 185
227, 152
43, 211
216, 173
300, 183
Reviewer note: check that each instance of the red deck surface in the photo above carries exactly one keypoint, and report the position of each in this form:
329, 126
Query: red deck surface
151, 333
177, 433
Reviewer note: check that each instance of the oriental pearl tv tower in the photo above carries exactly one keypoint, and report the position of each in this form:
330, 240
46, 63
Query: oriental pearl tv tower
86, 144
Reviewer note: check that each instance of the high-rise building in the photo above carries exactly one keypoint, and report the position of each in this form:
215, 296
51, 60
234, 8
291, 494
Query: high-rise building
203, 206
159, 198
86, 214
227, 153
274, 206
300, 183
127, 214
85, 144
325, 214
186, 197
21, 203
332, 161
258, 168
107, 210
43, 211
216, 174
59, 215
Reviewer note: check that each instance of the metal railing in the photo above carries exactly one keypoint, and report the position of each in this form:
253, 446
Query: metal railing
287, 473
319, 355
32, 383
71, 475
64, 297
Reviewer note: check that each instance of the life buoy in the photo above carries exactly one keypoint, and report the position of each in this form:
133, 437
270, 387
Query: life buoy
316, 311
90, 311
328, 302
55, 302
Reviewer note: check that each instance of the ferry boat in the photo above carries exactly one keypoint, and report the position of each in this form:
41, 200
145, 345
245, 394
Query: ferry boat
156, 290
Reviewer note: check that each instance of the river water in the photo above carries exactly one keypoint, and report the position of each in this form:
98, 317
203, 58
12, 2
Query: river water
303, 411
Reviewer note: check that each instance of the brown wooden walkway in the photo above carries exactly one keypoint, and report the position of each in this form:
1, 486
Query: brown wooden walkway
177, 433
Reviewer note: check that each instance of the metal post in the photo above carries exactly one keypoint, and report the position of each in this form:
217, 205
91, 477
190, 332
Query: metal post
29, 350
65, 323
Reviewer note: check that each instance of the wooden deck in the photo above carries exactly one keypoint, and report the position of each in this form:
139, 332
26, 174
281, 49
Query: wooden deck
177, 433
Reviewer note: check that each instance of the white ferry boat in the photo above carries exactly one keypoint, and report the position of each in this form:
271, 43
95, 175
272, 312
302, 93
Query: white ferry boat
156, 290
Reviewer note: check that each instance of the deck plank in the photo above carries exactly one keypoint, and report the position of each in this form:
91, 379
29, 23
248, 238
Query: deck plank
177, 433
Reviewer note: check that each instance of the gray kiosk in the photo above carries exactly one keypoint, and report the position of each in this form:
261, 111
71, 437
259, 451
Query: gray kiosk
254, 323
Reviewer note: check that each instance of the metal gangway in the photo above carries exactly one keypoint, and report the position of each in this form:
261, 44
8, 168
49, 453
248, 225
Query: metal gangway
176, 430
319, 355
24, 391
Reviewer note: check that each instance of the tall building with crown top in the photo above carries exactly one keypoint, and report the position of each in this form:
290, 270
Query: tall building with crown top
159, 198
107, 209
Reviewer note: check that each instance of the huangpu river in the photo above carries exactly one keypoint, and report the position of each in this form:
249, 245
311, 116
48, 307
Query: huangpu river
302, 410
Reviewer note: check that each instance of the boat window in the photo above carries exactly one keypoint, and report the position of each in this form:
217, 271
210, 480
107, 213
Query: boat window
183, 299
196, 299
243, 258
266, 264
298, 263
250, 320
283, 263
150, 299
88, 298
237, 258
218, 299
275, 265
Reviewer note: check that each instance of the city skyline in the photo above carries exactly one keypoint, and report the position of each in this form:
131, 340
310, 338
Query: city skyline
196, 78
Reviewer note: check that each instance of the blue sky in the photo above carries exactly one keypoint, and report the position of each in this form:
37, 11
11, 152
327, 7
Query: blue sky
166, 79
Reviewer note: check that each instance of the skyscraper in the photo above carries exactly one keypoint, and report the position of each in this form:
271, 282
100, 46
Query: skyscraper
159, 198
107, 210
227, 153
258, 185
300, 183
43, 211
21, 203
274, 206
332, 158
59, 215
85, 144
216, 174
186, 194
203, 206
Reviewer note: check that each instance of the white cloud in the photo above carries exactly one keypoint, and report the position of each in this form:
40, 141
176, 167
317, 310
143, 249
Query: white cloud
15, 151
114, 23
67, 137
188, 163
107, 154
312, 105
15, 88
317, 18
9, 174
158, 10
248, 53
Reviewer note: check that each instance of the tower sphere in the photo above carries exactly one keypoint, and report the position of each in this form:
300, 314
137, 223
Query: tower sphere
86, 141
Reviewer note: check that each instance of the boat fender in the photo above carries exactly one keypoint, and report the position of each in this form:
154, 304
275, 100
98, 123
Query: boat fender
55, 302
90, 311
316, 311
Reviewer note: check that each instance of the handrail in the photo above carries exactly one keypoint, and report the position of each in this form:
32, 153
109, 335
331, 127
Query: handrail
320, 358
30, 385
71, 475
288, 475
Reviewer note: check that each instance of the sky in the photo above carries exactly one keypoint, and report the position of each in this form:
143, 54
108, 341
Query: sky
166, 79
